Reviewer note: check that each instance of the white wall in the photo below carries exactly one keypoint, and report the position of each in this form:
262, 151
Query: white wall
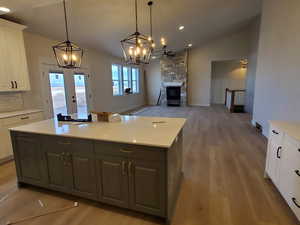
153, 81
228, 47
277, 86
39, 50
252, 64
226, 74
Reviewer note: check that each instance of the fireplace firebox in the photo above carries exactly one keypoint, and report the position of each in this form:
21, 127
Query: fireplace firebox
173, 95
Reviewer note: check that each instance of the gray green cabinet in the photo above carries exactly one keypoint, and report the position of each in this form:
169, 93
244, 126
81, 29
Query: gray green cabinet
30, 160
113, 180
141, 178
146, 186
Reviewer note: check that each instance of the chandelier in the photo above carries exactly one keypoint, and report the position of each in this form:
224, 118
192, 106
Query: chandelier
137, 48
68, 55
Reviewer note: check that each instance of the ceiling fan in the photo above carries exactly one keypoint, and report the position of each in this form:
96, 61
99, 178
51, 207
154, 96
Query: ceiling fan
163, 52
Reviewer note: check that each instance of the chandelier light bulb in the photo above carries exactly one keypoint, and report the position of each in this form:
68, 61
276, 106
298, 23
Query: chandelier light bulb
65, 57
74, 57
130, 51
144, 51
153, 45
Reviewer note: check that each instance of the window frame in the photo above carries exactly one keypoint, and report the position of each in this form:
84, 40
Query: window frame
130, 80
120, 79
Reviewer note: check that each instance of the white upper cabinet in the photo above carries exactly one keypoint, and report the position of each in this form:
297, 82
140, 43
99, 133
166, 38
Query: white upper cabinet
13, 64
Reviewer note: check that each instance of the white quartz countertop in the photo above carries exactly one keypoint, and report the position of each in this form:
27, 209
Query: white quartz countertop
291, 128
149, 131
19, 112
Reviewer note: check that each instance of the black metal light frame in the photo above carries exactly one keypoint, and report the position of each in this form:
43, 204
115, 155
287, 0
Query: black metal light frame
68, 55
134, 41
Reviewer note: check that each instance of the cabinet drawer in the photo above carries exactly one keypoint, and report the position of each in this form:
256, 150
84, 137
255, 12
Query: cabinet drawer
22, 119
275, 135
73, 145
132, 151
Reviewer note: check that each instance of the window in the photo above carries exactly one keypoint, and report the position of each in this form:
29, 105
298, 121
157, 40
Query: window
116, 79
135, 80
124, 77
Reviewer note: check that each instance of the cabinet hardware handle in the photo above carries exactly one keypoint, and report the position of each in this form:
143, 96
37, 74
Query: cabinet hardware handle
12, 85
69, 161
129, 168
295, 202
277, 153
62, 157
275, 132
123, 167
64, 143
125, 151
25, 118
297, 172
16, 84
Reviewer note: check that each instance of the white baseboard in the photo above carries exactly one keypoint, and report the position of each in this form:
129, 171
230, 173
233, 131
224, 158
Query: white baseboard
203, 105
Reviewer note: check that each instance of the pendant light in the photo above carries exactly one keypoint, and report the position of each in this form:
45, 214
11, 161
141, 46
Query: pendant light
150, 3
68, 55
137, 48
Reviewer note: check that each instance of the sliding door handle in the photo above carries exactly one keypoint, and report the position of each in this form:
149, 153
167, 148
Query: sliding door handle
277, 153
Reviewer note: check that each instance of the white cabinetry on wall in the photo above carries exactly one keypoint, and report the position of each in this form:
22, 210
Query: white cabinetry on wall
15, 119
283, 161
13, 63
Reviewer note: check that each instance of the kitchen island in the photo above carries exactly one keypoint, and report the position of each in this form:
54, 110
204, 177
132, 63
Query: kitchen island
134, 164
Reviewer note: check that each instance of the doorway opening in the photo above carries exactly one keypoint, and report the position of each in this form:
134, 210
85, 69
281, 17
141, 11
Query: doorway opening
67, 92
228, 84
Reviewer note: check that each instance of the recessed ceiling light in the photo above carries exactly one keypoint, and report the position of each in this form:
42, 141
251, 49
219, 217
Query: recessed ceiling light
181, 27
4, 9
190, 45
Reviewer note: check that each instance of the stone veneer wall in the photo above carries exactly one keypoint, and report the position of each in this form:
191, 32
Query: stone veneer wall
174, 69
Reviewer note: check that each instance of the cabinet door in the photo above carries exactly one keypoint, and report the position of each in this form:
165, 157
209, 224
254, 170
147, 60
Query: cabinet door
59, 171
31, 164
5, 81
113, 180
147, 187
274, 156
84, 169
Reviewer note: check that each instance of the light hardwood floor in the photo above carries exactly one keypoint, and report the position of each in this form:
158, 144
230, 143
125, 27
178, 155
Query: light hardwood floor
223, 184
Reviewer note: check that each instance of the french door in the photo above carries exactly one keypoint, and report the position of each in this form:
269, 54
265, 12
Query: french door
66, 91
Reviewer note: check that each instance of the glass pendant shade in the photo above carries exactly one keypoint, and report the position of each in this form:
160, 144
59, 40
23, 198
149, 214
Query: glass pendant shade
137, 49
68, 55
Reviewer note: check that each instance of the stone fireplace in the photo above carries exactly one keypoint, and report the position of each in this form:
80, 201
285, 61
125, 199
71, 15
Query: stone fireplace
174, 80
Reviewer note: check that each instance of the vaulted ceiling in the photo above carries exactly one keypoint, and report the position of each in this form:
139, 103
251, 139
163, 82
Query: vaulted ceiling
101, 24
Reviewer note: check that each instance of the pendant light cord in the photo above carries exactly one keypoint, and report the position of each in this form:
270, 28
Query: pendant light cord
136, 17
66, 20
151, 30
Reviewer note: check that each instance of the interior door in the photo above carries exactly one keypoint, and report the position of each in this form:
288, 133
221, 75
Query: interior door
66, 91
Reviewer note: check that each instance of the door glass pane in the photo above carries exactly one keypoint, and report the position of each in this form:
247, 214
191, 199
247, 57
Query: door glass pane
80, 91
57, 86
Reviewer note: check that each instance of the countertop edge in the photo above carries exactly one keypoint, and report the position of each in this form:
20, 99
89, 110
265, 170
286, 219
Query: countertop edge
19, 112
94, 139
